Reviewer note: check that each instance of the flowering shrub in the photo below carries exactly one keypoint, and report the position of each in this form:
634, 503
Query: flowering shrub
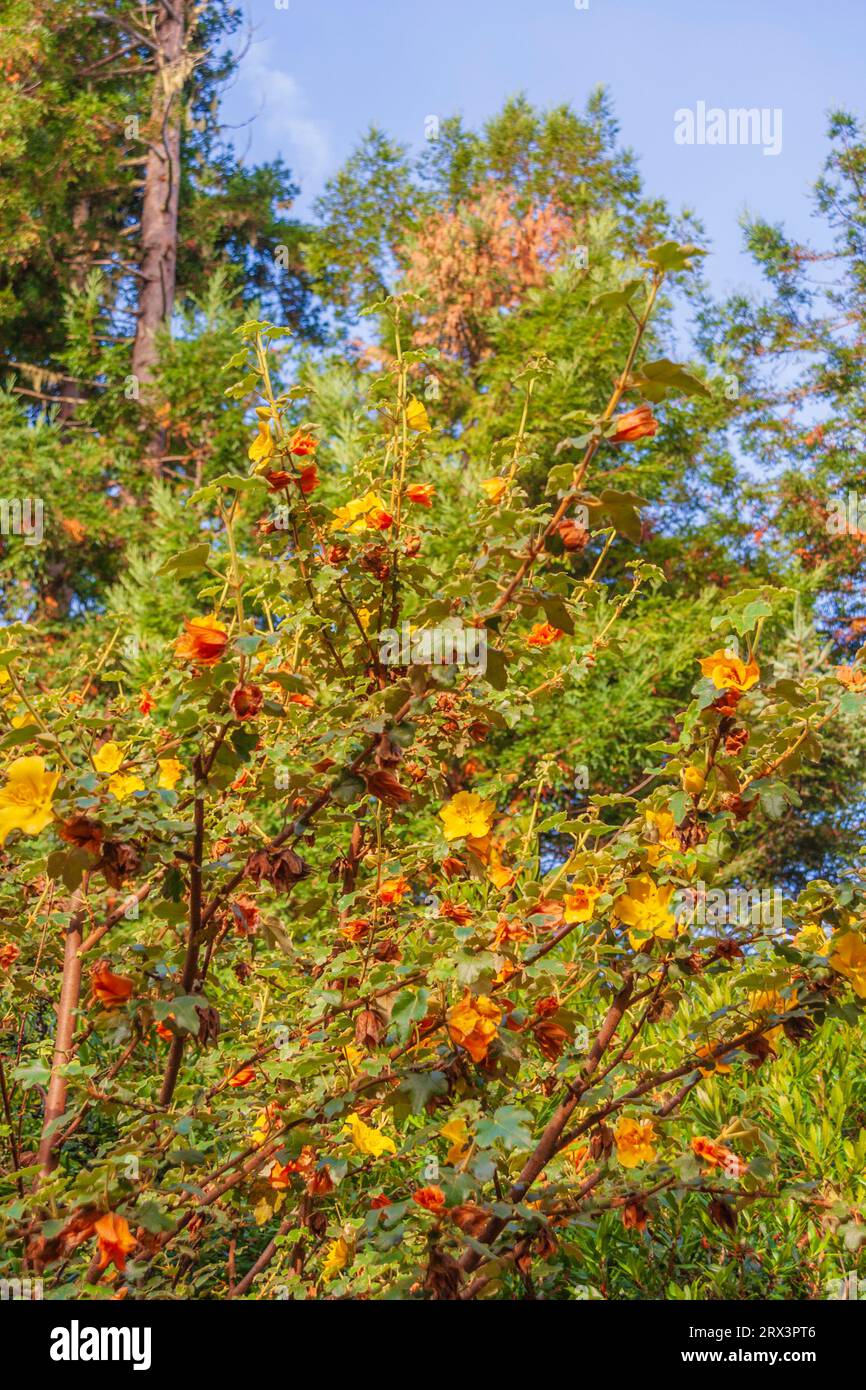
317, 1012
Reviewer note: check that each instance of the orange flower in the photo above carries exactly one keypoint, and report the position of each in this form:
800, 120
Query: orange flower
146, 703
473, 1023
509, 932
302, 444
356, 929
456, 912
9, 953
243, 1077
203, 642
377, 1203
393, 890
494, 489
308, 479
110, 989
422, 493
379, 519
717, 1156
114, 1239
542, 635
729, 672
280, 1176
851, 677
431, 1199
278, 478
639, 423
246, 914
577, 1156
164, 1032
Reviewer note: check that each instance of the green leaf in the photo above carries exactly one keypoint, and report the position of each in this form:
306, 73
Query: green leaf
616, 299
410, 1007
239, 482
655, 380
416, 1091
508, 1126
496, 673
622, 510
187, 561
557, 614
674, 255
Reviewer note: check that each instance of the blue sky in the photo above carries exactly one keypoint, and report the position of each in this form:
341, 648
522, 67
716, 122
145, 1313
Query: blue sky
318, 72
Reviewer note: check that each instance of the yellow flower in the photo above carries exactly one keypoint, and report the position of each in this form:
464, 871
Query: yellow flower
662, 827
494, 488
692, 781
729, 672
849, 958
473, 1024
262, 446
170, 772
108, 758
367, 1140
644, 909
265, 1123
634, 1142
467, 814
123, 785
336, 1258
25, 800
458, 1138
365, 617
717, 1067
416, 416
812, 939
361, 514
770, 1001
579, 904
354, 1056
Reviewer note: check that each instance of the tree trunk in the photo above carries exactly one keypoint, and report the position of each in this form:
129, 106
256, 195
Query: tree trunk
77, 280
161, 189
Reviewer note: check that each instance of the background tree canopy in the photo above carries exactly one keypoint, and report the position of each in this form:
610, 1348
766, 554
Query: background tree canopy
359, 976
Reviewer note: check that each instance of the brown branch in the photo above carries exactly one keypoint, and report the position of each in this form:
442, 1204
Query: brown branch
175, 1052
70, 994
548, 1144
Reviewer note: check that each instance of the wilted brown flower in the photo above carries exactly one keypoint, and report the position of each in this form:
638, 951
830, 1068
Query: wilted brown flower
573, 537
120, 860
246, 701
634, 1215
83, 833
281, 867
369, 1028
384, 785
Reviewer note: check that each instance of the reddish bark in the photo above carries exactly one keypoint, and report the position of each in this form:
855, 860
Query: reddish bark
161, 189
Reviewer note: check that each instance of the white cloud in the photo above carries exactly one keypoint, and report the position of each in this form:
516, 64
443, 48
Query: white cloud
284, 120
